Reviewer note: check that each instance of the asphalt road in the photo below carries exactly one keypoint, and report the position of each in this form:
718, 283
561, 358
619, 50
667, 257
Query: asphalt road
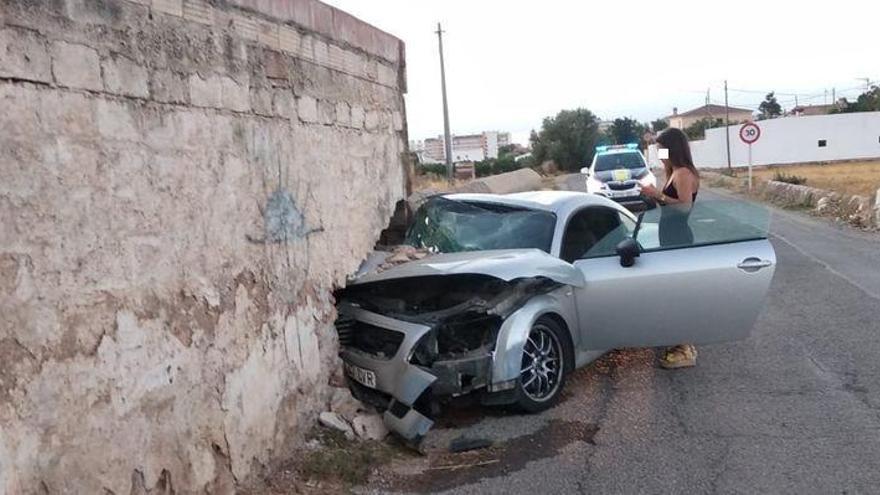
793, 409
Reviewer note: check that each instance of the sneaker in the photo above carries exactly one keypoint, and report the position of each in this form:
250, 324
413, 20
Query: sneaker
680, 356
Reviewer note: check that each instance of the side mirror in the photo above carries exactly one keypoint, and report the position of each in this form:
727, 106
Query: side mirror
585, 170
628, 250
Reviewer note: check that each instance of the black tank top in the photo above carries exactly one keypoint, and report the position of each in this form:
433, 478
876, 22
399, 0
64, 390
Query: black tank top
670, 191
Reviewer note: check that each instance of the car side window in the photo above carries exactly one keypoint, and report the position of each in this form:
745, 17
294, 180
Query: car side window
594, 232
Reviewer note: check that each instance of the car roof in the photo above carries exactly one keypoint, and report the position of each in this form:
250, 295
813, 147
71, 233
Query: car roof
559, 202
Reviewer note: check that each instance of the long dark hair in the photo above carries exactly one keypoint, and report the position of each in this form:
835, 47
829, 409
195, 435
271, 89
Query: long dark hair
676, 141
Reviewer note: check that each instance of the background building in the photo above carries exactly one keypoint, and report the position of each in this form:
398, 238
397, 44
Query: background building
689, 118
468, 147
804, 139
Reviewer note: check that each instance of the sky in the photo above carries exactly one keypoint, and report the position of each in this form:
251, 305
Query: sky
511, 63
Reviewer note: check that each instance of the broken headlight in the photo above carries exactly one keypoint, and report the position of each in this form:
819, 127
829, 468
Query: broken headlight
457, 337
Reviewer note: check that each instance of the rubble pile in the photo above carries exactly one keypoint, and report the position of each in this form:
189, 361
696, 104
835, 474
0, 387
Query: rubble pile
352, 418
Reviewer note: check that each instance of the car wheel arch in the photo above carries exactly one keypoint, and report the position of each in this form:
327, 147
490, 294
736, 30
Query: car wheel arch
569, 349
515, 329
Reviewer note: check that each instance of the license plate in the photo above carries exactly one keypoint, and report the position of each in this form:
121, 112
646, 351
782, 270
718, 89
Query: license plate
363, 376
621, 194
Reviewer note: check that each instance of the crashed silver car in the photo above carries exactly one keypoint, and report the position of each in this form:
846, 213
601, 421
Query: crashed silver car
503, 295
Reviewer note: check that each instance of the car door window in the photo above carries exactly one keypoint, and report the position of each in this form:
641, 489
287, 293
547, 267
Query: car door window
706, 223
595, 232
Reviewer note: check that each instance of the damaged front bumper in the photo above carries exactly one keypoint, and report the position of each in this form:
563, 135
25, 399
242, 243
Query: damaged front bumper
391, 382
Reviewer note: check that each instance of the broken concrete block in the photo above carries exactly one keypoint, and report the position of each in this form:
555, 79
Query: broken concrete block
344, 404
370, 427
334, 421
76, 66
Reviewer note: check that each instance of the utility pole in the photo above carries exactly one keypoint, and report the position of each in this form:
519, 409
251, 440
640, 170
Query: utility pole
708, 111
867, 82
727, 125
447, 137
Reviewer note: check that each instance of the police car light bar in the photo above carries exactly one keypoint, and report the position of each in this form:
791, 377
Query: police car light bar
628, 146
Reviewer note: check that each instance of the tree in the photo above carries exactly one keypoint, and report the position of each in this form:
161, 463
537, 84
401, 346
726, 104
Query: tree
626, 130
869, 101
697, 130
507, 149
769, 108
569, 139
658, 125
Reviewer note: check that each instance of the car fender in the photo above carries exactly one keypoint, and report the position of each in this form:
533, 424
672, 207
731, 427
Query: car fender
512, 336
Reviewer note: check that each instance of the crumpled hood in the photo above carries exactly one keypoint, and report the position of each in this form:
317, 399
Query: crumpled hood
504, 264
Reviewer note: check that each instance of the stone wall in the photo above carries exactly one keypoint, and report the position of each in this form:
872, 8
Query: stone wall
182, 185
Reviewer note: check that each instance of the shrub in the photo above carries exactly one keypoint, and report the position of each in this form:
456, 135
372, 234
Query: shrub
432, 168
791, 179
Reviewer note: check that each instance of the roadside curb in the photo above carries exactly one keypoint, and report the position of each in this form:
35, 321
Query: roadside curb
854, 209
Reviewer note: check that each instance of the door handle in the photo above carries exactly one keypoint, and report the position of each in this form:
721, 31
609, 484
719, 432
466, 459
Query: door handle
752, 265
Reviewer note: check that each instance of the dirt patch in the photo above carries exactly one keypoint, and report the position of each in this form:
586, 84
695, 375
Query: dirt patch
861, 178
329, 463
450, 470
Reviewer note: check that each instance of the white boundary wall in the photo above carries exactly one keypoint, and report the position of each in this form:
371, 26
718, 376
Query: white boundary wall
790, 140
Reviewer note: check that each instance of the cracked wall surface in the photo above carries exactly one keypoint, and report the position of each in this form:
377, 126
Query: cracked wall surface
182, 185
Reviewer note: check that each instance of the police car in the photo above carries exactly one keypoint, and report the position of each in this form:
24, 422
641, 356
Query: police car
618, 172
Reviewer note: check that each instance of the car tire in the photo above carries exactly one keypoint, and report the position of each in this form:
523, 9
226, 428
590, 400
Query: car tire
544, 366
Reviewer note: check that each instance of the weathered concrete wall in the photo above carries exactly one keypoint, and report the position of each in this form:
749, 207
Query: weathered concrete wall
182, 184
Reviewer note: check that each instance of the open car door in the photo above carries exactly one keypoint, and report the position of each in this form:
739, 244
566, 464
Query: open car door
705, 282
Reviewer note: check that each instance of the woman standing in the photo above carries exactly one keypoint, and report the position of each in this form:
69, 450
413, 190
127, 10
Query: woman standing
676, 200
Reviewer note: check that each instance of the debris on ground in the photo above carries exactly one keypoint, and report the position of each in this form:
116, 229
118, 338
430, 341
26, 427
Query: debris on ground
352, 417
403, 254
369, 426
335, 422
329, 463
344, 404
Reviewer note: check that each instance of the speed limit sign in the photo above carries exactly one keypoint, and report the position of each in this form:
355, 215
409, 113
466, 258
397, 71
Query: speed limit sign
749, 132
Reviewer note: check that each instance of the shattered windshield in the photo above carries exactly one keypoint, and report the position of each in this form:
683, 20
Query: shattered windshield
447, 226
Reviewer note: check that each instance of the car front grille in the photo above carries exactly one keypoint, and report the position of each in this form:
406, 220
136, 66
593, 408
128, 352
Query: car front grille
622, 186
376, 341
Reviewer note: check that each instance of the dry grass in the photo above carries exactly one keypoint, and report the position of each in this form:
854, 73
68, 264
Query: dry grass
433, 182
861, 178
